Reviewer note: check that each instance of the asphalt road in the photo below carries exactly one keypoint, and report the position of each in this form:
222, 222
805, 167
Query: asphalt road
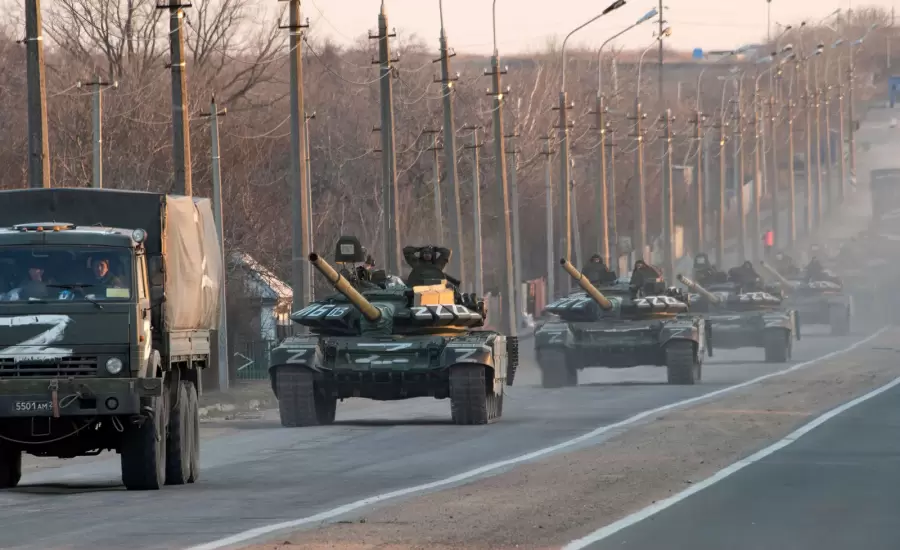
262, 473
832, 489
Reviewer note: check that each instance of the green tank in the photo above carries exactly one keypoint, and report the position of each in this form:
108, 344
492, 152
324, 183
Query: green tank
817, 302
745, 319
385, 341
620, 328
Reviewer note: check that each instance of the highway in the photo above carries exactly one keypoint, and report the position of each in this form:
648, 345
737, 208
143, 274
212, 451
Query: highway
834, 488
264, 474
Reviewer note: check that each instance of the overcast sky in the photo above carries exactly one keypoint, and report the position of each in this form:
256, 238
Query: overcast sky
524, 25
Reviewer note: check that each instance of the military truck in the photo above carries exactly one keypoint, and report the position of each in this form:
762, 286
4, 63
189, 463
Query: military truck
626, 328
107, 300
380, 339
816, 302
745, 319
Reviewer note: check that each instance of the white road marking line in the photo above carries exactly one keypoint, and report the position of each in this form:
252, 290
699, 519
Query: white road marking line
258, 532
661, 505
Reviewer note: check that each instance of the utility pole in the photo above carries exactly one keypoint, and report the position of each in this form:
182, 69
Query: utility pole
699, 214
829, 159
548, 189
438, 203
181, 128
390, 199
640, 237
720, 213
300, 224
792, 189
601, 190
818, 212
509, 313
738, 164
611, 194
850, 124
668, 260
457, 259
513, 154
309, 220
565, 186
757, 178
476, 214
38, 146
840, 121
97, 86
662, 22
213, 115
776, 184
807, 104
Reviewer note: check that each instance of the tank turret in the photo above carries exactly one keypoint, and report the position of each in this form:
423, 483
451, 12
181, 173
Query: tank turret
585, 284
342, 285
695, 287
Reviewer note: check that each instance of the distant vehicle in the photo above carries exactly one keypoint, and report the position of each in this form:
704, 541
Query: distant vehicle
817, 302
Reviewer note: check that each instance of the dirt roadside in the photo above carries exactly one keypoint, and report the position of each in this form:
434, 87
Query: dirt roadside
548, 503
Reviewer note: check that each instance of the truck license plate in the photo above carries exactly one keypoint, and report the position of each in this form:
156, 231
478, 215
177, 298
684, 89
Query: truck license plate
32, 406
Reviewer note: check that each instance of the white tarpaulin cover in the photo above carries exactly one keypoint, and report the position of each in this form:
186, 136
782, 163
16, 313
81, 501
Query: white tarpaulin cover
193, 265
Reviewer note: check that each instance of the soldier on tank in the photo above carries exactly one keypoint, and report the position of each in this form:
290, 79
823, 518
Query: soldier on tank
644, 273
705, 272
597, 272
746, 276
785, 265
427, 263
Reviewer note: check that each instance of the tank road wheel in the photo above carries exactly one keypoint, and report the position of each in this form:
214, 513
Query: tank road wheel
144, 449
555, 371
471, 401
194, 415
10, 467
299, 404
839, 319
777, 344
682, 365
178, 440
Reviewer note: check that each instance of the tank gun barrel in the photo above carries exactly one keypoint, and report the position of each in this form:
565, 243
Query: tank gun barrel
342, 285
585, 284
781, 279
695, 286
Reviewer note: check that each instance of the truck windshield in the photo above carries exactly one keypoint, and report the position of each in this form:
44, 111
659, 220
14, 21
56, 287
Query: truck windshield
42, 273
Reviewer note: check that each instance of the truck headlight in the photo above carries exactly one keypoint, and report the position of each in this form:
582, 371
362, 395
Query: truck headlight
114, 365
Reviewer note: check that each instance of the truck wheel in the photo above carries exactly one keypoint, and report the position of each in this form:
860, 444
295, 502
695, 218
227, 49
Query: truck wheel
470, 402
194, 415
682, 366
178, 444
298, 402
777, 344
10, 467
839, 321
144, 449
555, 371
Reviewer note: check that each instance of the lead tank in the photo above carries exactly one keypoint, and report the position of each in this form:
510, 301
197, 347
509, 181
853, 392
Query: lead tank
620, 328
745, 319
385, 341
817, 302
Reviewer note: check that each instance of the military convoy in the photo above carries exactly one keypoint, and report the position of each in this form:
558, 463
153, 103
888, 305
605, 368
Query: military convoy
380, 339
817, 302
745, 319
620, 327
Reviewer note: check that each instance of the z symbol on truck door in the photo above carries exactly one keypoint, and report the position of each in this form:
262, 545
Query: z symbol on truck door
37, 347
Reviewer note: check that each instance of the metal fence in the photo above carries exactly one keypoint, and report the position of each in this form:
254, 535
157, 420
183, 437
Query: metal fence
251, 359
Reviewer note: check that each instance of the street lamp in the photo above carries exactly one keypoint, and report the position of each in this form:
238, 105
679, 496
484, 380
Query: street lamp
605, 190
566, 207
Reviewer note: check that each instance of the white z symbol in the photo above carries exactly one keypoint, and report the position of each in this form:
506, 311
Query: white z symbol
37, 347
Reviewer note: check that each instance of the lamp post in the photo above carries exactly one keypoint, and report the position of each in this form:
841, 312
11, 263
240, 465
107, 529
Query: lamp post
566, 206
605, 189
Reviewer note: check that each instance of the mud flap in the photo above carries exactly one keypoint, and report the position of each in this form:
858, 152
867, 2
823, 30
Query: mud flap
709, 338
797, 324
512, 357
